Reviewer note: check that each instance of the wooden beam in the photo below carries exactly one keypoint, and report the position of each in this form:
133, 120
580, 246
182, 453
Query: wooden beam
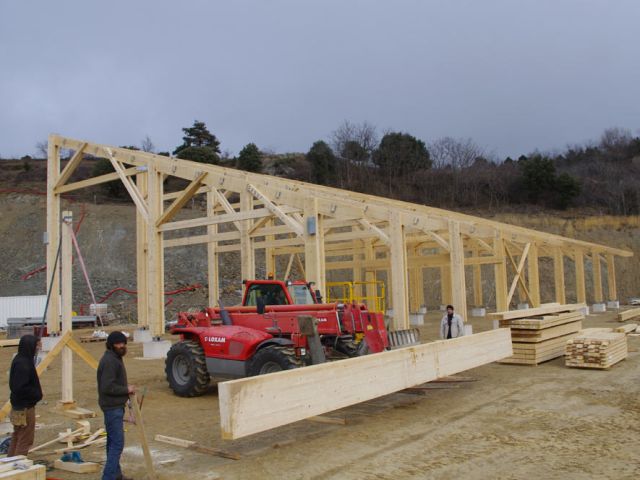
257, 404
130, 186
518, 275
598, 296
90, 182
295, 226
142, 256
71, 166
52, 277
611, 277
536, 312
558, 275
213, 276
155, 254
458, 283
581, 292
478, 300
381, 234
398, 267
314, 256
534, 275
66, 281
500, 273
247, 253
181, 201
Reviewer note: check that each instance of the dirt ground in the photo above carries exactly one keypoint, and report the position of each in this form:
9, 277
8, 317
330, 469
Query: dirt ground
513, 422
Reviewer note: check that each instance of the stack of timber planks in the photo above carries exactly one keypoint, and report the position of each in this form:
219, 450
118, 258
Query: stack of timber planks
596, 349
536, 339
21, 468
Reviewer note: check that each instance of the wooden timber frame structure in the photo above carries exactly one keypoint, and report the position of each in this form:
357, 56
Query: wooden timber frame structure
332, 229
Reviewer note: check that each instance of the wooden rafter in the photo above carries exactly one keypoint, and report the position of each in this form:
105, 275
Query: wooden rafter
381, 234
178, 203
90, 182
277, 211
135, 194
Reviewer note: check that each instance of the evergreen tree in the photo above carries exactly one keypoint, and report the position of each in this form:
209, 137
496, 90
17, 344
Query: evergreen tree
401, 154
199, 145
323, 163
249, 158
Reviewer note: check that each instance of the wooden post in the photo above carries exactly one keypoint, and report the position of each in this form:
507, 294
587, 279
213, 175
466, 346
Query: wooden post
142, 257
598, 296
247, 254
534, 275
500, 272
155, 253
458, 284
212, 253
269, 256
53, 235
314, 245
420, 287
478, 299
371, 290
398, 260
66, 257
611, 277
413, 290
581, 293
558, 275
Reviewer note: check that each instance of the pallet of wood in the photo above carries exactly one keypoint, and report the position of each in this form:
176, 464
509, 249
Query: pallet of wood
21, 468
543, 338
596, 350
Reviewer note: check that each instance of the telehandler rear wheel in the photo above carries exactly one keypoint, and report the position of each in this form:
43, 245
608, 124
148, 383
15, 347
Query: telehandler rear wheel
186, 369
273, 358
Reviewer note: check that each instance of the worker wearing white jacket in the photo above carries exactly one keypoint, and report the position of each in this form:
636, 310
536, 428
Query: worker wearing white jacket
451, 325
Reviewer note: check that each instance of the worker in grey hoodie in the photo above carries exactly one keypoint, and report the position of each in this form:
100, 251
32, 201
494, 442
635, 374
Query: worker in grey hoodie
113, 394
451, 325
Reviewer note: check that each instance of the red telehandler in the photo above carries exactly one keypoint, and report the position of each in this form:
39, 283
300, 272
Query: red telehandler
263, 335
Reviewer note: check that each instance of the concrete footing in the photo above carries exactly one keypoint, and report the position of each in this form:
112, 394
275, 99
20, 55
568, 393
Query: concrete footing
613, 304
468, 329
523, 306
496, 324
584, 311
48, 343
479, 312
422, 310
156, 349
142, 335
416, 319
599, 308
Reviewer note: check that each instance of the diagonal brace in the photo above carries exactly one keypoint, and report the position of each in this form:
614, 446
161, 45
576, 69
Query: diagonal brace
269, 205
178, 203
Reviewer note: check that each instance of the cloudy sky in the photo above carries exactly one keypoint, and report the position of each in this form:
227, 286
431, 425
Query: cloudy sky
512, 75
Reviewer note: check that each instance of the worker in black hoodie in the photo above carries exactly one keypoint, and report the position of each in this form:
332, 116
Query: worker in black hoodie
113, 393
25, 393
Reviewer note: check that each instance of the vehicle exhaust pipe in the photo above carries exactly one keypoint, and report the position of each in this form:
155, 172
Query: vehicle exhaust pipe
224, 314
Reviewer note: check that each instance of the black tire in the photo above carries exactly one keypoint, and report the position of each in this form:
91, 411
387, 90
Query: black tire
186, 369
272, 358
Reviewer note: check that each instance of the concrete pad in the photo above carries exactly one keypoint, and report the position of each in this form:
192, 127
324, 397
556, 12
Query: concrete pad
479, 312
142, 335
496, 324
156, 349
468, 329
416, 319
422, 310
599, 308
523, 306
613, 304
584, 311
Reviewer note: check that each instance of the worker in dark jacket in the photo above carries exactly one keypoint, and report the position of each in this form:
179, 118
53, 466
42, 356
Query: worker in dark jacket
25, 393
113, 393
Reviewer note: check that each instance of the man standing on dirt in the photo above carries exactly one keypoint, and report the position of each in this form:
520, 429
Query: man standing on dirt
113, 393
25, 393
451, 325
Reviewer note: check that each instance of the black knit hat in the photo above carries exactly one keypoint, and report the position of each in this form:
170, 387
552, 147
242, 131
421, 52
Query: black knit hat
116, 337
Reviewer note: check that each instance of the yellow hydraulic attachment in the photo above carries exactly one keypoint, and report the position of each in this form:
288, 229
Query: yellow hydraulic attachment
349, 292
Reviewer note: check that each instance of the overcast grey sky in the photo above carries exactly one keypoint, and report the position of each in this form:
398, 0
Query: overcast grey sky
512, 75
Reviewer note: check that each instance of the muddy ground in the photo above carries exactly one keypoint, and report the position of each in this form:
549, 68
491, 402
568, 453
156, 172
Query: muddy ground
513, 422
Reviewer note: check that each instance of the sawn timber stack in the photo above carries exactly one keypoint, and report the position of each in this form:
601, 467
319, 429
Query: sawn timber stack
537, 339
596, 350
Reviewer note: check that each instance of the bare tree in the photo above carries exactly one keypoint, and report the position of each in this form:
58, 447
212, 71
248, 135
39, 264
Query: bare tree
363, 134
457, 153
615, 138
42, 149
147, 145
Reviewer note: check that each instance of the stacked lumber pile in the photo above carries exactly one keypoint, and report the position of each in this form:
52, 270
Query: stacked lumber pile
21, 468
540, 334
596, 349
628, 314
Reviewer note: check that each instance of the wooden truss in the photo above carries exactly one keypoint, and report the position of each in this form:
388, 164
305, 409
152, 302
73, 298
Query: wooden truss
331, 229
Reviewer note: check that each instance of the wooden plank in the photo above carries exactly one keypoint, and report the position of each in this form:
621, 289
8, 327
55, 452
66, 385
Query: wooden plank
532, 312
256, 404
630, 327
34, 472
90, 182
179, 442
12, 342
545, 334
151, 473
628, 314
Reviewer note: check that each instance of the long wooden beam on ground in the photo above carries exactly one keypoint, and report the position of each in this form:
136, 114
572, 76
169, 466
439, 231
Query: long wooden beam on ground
534, 312
256, 404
